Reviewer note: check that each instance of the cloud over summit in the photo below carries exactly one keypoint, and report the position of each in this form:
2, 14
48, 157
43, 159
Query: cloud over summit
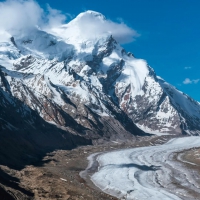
91, 22
23, 15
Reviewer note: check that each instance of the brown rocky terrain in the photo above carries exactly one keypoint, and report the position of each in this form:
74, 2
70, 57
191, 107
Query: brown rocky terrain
190, 159
56, 176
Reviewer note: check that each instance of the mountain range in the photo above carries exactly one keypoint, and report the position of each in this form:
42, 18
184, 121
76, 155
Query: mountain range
64, 87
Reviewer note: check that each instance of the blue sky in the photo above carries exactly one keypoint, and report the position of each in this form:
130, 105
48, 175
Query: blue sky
169, 34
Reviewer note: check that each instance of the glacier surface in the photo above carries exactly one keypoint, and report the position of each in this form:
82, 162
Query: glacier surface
146, 172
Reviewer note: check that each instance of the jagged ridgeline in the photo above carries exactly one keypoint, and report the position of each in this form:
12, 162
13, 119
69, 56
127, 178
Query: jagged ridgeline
87, 87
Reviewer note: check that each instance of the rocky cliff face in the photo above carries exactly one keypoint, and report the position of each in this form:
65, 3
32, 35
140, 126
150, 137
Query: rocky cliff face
88, 87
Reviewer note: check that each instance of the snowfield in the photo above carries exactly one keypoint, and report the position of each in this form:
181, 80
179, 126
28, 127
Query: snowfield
147, 172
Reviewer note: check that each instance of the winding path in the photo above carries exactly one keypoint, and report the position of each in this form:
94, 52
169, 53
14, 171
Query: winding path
148, 172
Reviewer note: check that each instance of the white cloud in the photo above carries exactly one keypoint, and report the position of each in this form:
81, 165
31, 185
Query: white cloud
19, 14
196, 81
23, 15
55, 17
93, 23
187, 67
27, 14
188, 81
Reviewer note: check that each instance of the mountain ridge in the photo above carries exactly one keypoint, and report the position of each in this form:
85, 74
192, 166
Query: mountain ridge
90, 86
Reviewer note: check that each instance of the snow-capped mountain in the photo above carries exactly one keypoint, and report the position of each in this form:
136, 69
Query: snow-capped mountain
88, 85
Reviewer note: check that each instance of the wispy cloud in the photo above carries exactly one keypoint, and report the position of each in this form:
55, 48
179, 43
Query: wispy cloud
189, 81
27, 14
56, 17
18, 14
92, 25
187, 68
22, 15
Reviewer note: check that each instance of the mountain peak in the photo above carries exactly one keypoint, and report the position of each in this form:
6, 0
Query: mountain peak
84, 62
87, 27
87, 17
91, 14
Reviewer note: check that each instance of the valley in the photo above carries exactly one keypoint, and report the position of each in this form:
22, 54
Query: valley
154, 172
68, 98
57, 175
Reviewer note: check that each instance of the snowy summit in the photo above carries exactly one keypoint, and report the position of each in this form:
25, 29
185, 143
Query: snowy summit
82, 62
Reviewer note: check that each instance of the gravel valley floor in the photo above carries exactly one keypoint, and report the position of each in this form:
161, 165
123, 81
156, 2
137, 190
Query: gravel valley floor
57, 175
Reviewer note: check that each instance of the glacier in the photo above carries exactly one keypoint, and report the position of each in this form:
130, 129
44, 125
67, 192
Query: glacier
146, 172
